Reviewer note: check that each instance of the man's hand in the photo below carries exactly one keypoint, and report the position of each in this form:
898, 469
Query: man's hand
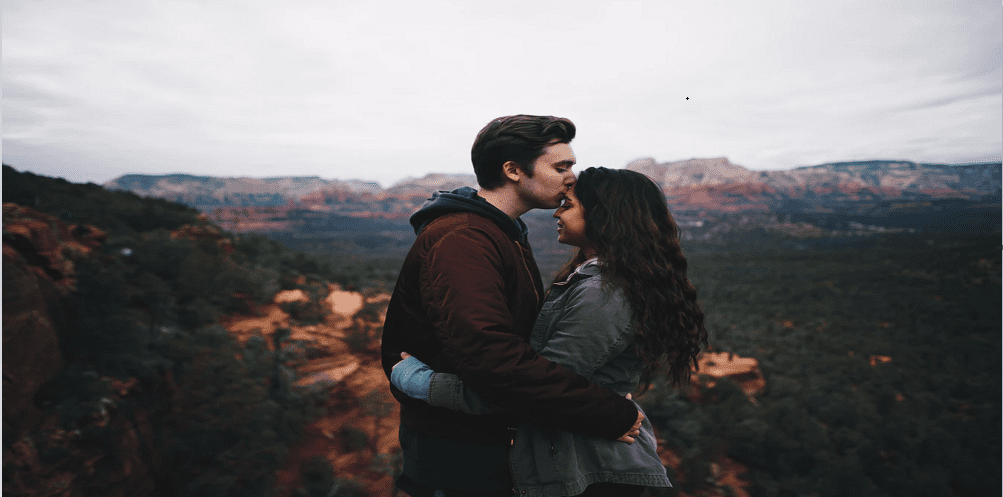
634, 430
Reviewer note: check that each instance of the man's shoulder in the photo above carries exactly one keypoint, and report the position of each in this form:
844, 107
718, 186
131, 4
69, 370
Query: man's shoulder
461, 221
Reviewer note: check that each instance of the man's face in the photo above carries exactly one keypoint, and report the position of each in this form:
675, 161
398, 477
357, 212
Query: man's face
552, 177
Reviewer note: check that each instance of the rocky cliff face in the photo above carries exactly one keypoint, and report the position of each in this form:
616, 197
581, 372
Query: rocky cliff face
230, 192
208, 191
889, 175
709, 185
719, 185
264, 204
694, 172
356, 431
40, 253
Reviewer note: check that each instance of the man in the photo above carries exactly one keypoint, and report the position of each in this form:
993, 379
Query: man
468, 294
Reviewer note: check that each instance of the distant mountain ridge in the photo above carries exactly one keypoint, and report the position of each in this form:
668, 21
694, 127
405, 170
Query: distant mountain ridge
719, 185
901, 175
714, 185
227, 191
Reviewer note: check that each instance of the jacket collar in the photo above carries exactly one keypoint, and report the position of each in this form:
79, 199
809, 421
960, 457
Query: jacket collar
586, 269
466, 199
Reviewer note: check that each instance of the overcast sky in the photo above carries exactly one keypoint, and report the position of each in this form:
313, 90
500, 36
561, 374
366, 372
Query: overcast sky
386, 90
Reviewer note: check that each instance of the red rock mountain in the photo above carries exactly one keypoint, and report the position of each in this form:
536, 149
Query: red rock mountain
719, 185
712, 185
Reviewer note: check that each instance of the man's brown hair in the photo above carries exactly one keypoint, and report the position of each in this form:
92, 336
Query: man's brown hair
521, 139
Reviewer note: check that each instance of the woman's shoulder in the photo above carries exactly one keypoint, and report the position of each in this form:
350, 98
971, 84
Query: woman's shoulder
596, 289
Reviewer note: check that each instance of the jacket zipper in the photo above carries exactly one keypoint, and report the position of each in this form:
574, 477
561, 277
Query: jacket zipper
511, 471
525, 265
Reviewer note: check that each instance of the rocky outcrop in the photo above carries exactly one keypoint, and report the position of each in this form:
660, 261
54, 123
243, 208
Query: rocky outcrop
708, 185
357, 435
424, 187
337, 356
744, 371
718, 185
229, 192
703, 172
122, 466
888, 176
207, 191
39, 253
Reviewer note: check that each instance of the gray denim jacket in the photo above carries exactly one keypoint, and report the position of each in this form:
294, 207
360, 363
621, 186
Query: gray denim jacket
588, 329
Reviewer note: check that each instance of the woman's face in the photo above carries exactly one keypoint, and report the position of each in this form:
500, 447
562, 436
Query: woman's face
571, 221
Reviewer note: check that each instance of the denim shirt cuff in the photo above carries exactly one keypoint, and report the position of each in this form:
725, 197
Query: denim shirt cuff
443, 393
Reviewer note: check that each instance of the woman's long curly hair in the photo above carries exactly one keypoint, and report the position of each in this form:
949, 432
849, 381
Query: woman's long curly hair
628, 224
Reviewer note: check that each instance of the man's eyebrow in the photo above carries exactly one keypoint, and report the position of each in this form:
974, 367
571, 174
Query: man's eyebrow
568, 163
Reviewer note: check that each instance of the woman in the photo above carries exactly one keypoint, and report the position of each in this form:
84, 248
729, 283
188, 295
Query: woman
621, 312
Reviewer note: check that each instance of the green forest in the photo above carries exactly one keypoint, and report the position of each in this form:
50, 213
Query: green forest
221, 415
218, 415
829, 423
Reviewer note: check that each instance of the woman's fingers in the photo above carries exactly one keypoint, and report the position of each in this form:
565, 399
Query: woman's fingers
404, 355
634, 430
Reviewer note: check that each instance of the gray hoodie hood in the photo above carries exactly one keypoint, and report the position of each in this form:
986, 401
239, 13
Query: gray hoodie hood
465, 199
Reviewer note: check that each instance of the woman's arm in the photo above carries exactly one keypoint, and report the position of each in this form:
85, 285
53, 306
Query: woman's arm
446, 390
417, 380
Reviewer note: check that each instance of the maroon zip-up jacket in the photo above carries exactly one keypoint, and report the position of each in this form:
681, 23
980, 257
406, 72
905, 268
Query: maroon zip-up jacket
465, 302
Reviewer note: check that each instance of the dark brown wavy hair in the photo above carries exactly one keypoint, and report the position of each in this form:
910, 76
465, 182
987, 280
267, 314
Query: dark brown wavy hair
636, 239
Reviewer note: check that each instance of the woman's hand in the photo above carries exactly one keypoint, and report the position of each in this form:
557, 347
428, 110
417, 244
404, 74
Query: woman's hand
411, 376
634, 430
405, 355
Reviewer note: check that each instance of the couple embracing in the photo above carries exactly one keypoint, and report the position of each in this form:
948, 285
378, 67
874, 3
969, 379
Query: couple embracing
508, 390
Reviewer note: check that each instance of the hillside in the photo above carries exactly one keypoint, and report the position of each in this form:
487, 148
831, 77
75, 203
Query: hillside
870, 187
891, 194
721, 182
132, 365
150, 352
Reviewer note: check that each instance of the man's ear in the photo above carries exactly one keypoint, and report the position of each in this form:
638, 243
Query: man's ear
513, 171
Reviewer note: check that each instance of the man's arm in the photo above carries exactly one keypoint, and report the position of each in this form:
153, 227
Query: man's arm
462, 284
417, 380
